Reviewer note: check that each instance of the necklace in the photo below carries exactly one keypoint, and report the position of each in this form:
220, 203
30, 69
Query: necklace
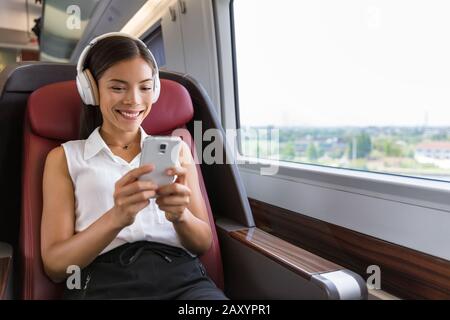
125, 147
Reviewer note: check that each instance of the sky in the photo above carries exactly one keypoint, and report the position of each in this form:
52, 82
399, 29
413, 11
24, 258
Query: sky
343, 62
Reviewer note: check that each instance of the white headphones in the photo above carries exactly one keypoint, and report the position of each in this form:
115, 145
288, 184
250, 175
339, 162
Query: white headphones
86, 84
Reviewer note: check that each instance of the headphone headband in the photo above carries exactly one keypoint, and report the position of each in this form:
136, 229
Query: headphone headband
88, 90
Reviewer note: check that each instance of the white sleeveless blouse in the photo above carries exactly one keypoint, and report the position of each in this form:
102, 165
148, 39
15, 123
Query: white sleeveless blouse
94, 170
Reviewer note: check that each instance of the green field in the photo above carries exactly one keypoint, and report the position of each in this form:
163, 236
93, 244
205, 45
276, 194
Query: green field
379, 149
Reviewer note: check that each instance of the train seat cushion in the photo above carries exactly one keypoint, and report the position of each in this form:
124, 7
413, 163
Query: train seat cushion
52, 117
54, 110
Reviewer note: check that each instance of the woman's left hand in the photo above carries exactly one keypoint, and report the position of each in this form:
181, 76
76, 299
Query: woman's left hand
174, 198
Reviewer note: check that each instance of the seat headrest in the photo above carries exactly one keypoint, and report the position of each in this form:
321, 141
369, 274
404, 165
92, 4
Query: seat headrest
54, 110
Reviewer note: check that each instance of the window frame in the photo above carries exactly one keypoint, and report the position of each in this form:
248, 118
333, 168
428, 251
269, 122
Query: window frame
288, 163
152, 33
362, 187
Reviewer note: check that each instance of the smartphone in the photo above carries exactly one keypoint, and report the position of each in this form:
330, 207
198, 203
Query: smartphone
162, 152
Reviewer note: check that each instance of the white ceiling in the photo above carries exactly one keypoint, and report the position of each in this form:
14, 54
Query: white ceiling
13, 14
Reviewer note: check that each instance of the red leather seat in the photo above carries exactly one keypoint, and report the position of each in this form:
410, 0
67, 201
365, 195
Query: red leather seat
52, 117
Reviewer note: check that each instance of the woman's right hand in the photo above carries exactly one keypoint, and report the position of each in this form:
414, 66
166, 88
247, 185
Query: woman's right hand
132, 195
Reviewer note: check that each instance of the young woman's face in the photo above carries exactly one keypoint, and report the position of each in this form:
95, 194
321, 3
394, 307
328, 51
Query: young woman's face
126, 94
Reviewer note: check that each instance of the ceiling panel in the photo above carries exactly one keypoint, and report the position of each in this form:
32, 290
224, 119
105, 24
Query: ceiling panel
13, 14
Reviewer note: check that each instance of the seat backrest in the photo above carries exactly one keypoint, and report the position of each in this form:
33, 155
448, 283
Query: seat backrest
17, 82
52, 117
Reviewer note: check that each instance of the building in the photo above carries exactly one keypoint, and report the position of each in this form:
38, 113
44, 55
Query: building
434, 152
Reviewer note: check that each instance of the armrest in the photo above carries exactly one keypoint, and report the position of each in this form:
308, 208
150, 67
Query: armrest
300, 261
335, 281
5, 271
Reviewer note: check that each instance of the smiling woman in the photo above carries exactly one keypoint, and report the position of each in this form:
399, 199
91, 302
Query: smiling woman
127, 83
132, 238
126, 92
127, 101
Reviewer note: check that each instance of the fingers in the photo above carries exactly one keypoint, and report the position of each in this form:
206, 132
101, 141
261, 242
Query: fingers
174, 189
173, 201
173, 209
130, 192
133, 175
180, 172
135, 187
139, 197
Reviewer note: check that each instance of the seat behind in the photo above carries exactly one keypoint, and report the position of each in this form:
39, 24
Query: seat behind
52, 118
17, 82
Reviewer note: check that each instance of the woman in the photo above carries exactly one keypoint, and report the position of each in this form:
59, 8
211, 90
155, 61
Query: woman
98, 216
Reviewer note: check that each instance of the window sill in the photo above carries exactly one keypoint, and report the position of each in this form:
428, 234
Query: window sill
417, 191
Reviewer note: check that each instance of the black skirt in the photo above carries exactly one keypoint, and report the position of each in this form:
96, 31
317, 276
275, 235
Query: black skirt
146, 270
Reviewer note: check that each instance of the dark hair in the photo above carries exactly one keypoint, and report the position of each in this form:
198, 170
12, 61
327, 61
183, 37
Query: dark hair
103, 55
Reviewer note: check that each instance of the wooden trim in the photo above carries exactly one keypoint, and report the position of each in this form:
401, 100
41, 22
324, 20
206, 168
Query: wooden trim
405, 273
5, 266
300, 261
381, 295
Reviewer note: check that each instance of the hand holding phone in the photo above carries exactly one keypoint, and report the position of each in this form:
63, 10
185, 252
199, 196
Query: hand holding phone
163, 153
128, 204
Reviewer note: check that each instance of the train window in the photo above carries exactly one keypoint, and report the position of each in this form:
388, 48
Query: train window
155, 43
347, 84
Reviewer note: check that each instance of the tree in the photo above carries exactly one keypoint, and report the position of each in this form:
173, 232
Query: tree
441, 136
288, 151
311, 152
363, 145
391, 149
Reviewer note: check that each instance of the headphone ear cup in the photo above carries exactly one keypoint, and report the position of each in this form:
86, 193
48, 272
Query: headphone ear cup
84, 89
156, 89
93, 89
81, 84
